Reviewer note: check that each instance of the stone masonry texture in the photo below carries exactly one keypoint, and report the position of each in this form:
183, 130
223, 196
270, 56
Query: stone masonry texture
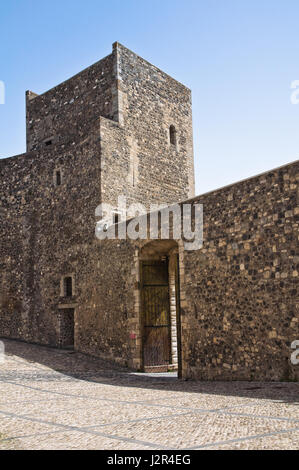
106, 131
239, 293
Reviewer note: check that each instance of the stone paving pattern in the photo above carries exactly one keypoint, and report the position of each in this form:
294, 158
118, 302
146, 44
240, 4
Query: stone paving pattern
57, 399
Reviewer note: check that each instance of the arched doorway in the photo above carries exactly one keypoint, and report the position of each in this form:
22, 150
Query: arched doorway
160, 306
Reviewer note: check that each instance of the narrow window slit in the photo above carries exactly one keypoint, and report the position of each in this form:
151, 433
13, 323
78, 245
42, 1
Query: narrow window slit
172, 135
68, 286
58, 178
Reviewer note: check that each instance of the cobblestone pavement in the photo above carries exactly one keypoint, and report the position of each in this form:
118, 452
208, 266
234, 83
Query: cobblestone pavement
51, 399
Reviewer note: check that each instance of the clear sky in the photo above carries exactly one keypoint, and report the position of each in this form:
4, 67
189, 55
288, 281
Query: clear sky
239, 57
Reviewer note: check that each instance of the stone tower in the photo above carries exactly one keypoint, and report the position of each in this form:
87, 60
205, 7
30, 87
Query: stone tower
119, 127
141, 120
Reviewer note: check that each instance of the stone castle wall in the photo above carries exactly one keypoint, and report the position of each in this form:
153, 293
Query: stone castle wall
240, 312
239, 293
45, 230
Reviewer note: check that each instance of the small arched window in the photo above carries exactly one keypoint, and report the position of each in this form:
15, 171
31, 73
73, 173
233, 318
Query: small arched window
172, 135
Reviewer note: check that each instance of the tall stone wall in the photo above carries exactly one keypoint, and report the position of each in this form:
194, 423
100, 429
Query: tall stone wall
239, 293
240, 312
46, 231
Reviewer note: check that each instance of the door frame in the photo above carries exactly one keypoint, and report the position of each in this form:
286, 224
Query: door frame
151, 250
153, 262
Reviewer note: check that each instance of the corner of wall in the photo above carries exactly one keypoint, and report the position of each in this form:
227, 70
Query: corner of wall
117, 88
30, 95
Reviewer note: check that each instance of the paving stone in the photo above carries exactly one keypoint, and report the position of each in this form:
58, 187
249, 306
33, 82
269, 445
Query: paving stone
41, 408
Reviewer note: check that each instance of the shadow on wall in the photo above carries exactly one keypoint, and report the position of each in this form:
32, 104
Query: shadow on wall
77, 366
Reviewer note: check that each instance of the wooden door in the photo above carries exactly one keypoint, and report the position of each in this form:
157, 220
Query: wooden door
155, 313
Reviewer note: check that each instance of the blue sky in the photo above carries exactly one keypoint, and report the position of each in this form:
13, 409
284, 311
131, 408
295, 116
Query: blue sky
239, 57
